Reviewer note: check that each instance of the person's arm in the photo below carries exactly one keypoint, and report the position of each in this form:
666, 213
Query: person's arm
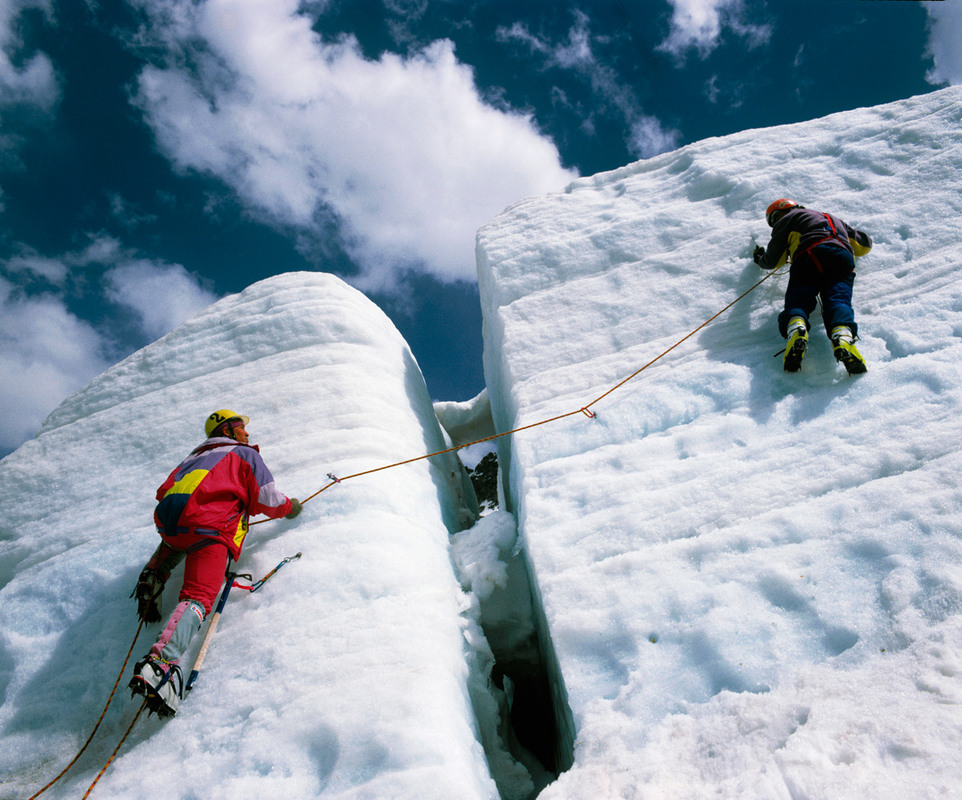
265, 497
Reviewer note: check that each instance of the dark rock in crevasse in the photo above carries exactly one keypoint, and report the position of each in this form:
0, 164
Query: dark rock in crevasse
484, 477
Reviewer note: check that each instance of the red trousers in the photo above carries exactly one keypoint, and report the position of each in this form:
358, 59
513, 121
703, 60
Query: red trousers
204, 566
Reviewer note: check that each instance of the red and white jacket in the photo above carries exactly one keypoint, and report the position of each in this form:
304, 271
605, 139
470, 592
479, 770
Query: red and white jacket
213, 492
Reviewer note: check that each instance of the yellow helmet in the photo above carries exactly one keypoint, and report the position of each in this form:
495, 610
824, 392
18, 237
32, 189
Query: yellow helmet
222, 415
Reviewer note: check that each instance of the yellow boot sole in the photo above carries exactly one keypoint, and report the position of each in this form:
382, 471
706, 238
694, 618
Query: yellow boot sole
795, 351
850, 357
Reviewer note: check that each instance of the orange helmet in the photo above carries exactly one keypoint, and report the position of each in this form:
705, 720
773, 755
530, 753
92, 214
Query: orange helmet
778, 208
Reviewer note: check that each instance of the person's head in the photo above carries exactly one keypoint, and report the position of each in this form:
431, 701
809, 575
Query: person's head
777, 209
225, 422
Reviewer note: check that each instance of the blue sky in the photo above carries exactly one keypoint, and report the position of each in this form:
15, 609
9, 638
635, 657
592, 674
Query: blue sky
158, 154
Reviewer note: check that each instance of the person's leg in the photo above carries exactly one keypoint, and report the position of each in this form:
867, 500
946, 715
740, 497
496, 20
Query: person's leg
158, 676
164, 560
837, 314
176, 636
801, 296
837, 304
838, 279
203, 576
153, 578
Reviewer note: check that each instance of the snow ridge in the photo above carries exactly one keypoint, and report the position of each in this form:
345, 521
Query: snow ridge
349, 673
724, 543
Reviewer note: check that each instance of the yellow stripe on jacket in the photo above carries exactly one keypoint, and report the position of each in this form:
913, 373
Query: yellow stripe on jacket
188, 483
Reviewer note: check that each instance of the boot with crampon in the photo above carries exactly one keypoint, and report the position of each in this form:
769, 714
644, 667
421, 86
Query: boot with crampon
843, 344
797, 344
160, 683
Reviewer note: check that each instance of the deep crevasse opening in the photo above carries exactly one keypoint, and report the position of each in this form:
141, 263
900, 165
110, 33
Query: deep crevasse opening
514, 689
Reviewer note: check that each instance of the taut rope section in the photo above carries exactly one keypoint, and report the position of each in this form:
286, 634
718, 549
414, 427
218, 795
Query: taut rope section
586, 409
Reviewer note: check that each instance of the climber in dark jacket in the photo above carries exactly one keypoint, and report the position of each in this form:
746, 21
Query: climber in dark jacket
822, 250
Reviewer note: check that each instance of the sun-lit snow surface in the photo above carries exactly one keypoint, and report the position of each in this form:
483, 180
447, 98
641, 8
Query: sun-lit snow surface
753, 579
347, 675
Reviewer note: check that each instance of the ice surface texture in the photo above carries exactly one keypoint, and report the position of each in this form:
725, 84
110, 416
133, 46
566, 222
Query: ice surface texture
745, 573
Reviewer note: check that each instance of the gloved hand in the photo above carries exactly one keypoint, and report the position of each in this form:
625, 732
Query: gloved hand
758, 255
148, 591
295, 510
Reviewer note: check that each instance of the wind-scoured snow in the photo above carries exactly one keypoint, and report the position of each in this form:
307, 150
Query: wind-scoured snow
752, 580
347, 674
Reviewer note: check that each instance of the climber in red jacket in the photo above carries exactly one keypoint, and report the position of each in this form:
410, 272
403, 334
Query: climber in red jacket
202, 516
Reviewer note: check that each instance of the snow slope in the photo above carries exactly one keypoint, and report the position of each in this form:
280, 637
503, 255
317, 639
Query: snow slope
348, 674
751, 579
748, 580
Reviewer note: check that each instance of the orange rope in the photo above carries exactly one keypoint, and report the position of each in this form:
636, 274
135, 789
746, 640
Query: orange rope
683, 339
102, 715
586, 410
116, 749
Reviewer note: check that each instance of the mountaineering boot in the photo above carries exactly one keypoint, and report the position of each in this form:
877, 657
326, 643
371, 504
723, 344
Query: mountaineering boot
797, 344
845, 351
160, 683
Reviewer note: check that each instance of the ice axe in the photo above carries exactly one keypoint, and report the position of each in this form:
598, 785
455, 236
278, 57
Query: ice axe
228, 585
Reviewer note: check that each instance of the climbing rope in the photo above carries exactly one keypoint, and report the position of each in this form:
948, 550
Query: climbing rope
586, 409
113, 691
333, 479
113, 755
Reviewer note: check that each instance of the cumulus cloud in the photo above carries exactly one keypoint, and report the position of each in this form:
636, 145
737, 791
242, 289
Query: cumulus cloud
400, 154
945, 33
47, 352
646, 135
162, 295
31, 80
698, 24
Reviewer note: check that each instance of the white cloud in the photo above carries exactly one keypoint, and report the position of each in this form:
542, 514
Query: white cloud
517, 31
576, 52
945, 33
55, 271
46, 353
698, 24
163, 295
128, 214
33, 81
401, 152
29, 262
646, 135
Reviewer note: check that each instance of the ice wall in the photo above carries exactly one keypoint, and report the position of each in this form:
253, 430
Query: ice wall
346, 675
741, 569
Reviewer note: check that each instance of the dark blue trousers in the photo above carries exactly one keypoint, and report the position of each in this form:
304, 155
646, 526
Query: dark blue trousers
826, 271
